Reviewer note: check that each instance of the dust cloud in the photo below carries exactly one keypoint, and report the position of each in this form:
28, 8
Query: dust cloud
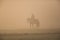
14, 14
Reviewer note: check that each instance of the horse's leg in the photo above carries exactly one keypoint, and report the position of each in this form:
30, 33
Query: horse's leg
37, 25
30, 25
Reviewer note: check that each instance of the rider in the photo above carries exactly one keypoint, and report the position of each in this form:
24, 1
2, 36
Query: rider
32, 17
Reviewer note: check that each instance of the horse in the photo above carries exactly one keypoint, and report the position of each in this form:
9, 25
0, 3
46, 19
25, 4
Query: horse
33, 22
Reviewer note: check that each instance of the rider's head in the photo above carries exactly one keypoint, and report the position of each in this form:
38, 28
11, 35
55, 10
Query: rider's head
32, 16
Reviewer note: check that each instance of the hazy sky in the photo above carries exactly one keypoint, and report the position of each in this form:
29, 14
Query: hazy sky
14, 13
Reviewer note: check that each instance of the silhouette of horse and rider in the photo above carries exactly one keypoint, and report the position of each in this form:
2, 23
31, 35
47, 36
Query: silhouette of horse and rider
33, 21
